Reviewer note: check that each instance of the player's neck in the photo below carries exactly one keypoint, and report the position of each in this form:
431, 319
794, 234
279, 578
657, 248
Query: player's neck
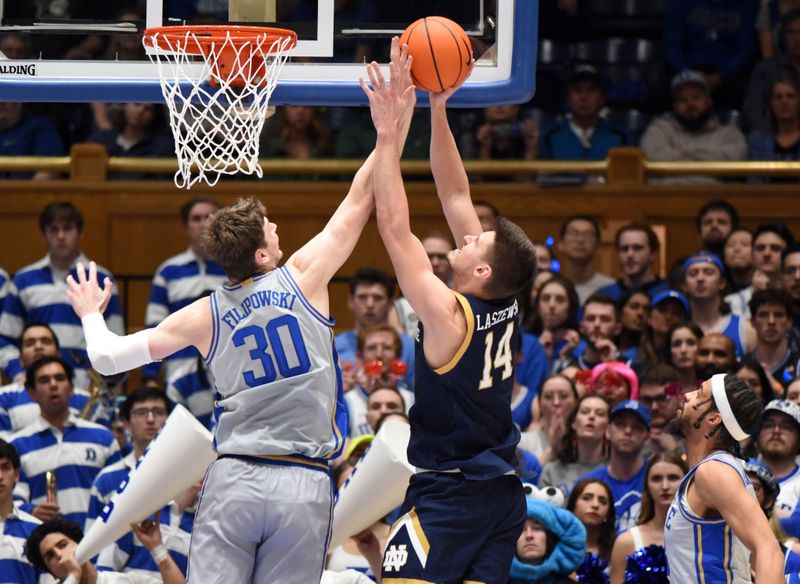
698, 446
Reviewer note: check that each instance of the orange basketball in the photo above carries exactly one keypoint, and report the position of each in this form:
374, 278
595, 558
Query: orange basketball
441, 50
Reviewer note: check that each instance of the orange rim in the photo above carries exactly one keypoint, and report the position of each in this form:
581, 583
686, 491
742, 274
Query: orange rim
165, 37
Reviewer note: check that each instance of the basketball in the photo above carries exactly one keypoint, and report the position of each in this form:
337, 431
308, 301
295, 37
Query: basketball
442, 53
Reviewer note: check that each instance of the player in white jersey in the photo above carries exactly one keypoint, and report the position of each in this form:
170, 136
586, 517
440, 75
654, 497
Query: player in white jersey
264, 513
715, 522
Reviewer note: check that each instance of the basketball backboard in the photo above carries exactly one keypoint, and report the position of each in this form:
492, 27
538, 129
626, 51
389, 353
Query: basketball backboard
90, 50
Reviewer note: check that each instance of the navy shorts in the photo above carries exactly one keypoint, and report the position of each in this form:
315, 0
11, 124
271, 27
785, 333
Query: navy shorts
453, 530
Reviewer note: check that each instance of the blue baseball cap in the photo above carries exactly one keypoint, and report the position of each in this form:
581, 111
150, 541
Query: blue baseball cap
670, 294
636, 407
704, 257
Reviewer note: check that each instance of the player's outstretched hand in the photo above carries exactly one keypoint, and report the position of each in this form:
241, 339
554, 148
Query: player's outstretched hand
440, 98
86, 295
401, 74
386, 107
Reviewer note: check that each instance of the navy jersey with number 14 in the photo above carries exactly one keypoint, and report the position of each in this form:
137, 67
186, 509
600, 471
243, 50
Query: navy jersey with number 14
461, 418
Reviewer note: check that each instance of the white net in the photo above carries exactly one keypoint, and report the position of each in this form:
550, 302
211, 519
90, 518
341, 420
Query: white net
217, 116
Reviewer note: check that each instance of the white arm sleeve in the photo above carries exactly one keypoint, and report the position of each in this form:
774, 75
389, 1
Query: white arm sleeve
111, 353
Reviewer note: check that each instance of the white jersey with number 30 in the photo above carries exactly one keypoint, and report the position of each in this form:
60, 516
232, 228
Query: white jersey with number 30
275, 370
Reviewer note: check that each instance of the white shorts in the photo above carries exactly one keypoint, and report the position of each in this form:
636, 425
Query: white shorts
261, 523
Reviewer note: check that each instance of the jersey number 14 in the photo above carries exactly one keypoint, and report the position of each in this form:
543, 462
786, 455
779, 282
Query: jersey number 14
502, 357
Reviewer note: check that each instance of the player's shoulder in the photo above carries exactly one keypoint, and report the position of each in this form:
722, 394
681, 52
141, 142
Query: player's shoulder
717, 472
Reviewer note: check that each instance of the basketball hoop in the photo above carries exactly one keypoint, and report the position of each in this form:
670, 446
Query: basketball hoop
217, 116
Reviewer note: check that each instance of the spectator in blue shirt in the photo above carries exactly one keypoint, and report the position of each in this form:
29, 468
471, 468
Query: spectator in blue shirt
24, 135
717, 37
628, 430
584, 134
138, 130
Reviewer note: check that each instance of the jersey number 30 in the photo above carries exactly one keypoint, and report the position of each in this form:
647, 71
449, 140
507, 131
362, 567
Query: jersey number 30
270, 351
502, 357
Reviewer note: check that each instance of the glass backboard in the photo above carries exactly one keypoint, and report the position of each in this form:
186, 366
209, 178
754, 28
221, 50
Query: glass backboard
90, 50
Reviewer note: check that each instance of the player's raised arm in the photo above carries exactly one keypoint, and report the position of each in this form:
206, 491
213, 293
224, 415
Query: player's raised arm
720, 487
111, 353
317, 261
435, 304
451, 180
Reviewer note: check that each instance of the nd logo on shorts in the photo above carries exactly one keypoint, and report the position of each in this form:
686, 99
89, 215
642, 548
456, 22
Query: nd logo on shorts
408, 547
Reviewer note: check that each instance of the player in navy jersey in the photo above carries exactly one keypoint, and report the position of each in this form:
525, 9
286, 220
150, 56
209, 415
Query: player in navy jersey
715, 522
465, 508
265, 509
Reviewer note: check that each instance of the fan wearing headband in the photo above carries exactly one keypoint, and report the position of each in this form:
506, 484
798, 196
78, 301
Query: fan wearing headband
715, 522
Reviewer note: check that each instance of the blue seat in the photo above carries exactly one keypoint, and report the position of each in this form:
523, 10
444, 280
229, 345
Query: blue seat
544, 119
628, 18
731, 117
633, 8
616, 51
552, 53
632, 121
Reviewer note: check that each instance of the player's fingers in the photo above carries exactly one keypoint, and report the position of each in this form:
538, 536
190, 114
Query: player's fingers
379, 76
81, 272
395, 52
365, 87
92, 272
373, 78
106, 296
71, 282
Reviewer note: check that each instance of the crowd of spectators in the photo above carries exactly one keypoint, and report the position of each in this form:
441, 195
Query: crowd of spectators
602, 364
726, 86
601, 369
